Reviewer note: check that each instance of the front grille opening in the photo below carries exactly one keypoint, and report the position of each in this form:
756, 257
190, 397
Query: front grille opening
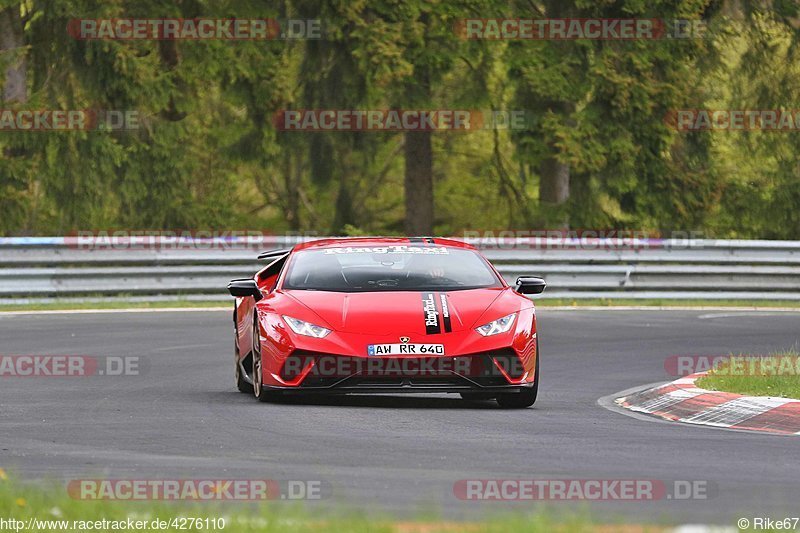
295, 364
470, 370
509, 361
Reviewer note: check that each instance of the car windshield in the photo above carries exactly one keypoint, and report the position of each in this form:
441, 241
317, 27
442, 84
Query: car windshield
389, 268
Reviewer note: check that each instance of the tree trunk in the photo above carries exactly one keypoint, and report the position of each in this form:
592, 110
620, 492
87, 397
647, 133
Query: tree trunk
418, 146
344, 213
11, 38
291, 182
554, 183
554, 175
419, 183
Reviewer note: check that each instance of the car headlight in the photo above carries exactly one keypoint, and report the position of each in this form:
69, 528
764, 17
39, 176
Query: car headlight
306, 328
501, 325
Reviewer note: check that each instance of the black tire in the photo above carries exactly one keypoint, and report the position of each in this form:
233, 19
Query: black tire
476, 396
518, 400
524, 398
241, 384
261, 394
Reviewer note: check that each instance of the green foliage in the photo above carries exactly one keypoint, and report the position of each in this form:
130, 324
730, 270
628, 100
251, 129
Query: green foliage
207, 153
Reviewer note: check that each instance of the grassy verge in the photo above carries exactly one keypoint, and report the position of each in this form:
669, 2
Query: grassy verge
616, 302
114, 304
777, 376
111, 303
22, 502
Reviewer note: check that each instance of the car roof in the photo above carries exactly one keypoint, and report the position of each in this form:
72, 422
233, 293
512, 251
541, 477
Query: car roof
340, 242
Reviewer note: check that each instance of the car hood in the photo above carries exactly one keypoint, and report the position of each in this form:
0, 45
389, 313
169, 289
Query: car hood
385, 313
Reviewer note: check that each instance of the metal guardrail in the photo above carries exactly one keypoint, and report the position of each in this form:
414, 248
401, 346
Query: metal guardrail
57, 267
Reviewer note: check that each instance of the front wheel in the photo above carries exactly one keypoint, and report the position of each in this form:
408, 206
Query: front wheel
263, 395
524, 398
241, 383
518, 400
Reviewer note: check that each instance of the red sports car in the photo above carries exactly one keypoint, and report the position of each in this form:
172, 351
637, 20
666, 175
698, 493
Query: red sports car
385, 315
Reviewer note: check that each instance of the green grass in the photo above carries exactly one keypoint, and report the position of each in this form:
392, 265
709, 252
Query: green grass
113, 304
57, 305
779, 376
606, 302
20, 501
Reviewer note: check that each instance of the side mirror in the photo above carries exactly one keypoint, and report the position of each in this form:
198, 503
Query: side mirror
530, 285
244, 287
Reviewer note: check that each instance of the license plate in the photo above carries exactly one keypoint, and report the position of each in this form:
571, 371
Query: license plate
405, 349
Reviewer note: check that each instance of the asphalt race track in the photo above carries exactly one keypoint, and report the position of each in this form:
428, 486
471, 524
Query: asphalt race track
183, 418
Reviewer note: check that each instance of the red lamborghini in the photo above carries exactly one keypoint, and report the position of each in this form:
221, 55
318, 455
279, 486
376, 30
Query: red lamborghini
385, 315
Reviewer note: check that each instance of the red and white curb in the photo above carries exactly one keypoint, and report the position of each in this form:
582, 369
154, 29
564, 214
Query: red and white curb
682, 401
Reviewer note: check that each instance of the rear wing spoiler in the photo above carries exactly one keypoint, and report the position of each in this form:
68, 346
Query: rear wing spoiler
272, 254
